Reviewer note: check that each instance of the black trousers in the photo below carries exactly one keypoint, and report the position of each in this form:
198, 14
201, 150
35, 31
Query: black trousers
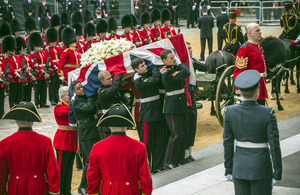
252, 187
15, 93
53, 87
174, 17
176, 143
86, 147
220, 42
153, 138
191, 123
65, 162
2, 92
27, 90
190, 17
203, 44
40, 92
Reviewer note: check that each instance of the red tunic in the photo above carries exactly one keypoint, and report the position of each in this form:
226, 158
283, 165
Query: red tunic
29, 159
157, 30
15, 66
129, 36
68, 61
143, 34
2, 72
54, 54
250, 56
29, 67
81, 47
115, 37
119, 164
41, 60
170, 29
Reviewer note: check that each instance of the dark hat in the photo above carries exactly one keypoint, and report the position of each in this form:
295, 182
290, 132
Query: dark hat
98, 10
15, 26
117, 115
102, 26
21, 44
55, 20
134, 20
68, 36
126, 21
24, 111
9, 44
44, 23
78, 29
64, 19
223, 7
145, 18
5, 29
112, 24
61, 28
233, 13
51, 35
247, 80
288, 5
155, 15
165, 15
88, 16
29, 24
35, 40
204, 8
76, 17
89, 30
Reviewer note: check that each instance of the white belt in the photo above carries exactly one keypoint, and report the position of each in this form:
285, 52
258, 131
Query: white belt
137, 100
149, 99
162, 91
264, 74
251, 144
42, 65
176, 92
55, 61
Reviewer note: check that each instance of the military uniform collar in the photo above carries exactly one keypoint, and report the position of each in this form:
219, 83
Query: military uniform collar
253, 42
118, 133
25, 129
249, 102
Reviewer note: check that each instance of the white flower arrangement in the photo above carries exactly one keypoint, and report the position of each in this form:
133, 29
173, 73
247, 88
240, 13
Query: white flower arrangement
105, 49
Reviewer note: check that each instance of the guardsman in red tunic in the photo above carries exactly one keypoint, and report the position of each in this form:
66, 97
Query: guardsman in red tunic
44, 26
145, 33
5, 30
118, 164
9, 46
30, 27
101, 30
138, 41
90, 35
28, 164
80, 46
69, 59
2, 88
15, 28
250, 56
126, 25
53, 53
112, 28
156, 31
167, 29
65, 141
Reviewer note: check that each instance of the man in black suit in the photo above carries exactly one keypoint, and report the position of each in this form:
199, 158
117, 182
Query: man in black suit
174, 11
29, 9
44, 10
222, 19
6, 11
173, 77
254, 129
80, 5
191, 9
206, 23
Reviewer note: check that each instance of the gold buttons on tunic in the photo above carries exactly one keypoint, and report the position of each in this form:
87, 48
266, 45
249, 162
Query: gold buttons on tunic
127, 183
35, 176
17, 177
110, 183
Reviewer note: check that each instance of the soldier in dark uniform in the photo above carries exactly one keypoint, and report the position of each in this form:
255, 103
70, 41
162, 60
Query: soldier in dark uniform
7, 11
296, 8
289, 23
98, 16
254, 129
80, 5
222, 19
108, 94
173, 77
174, 11
15, 28
206, 23
232, 34
29, 8
102, 5
84, 109
114, 8
191, 7
44, 10
67, 6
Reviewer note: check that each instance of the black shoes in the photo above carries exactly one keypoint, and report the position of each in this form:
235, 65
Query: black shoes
53, 103
192, 158
44, 106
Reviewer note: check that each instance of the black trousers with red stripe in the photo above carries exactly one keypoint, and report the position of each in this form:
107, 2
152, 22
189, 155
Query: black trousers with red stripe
153, 138
65, 162
176, 143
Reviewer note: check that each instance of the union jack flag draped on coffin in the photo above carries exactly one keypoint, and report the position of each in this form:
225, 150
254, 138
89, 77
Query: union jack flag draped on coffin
120, 64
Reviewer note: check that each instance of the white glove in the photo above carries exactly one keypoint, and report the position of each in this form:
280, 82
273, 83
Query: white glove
194, 7
298, 39
208, 7
62, 78
274, 182
229, 177
177, 61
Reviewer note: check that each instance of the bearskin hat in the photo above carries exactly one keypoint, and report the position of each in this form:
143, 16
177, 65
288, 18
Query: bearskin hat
51, 35
35, 40
78, 29
155, 15
21, 44
76, 17
30, 24
134, 20
5, 29
15, 26
55, 20
68, 36
65, 19
61, 28
9, 44
102, 26
126, 21
44, 23
165, 15
145, 18
88, 16
112, 24
89, 30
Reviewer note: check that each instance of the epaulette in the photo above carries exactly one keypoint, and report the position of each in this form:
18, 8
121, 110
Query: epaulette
245, 44
103, 90
175, 73
59, 103
66, 49
145, 80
